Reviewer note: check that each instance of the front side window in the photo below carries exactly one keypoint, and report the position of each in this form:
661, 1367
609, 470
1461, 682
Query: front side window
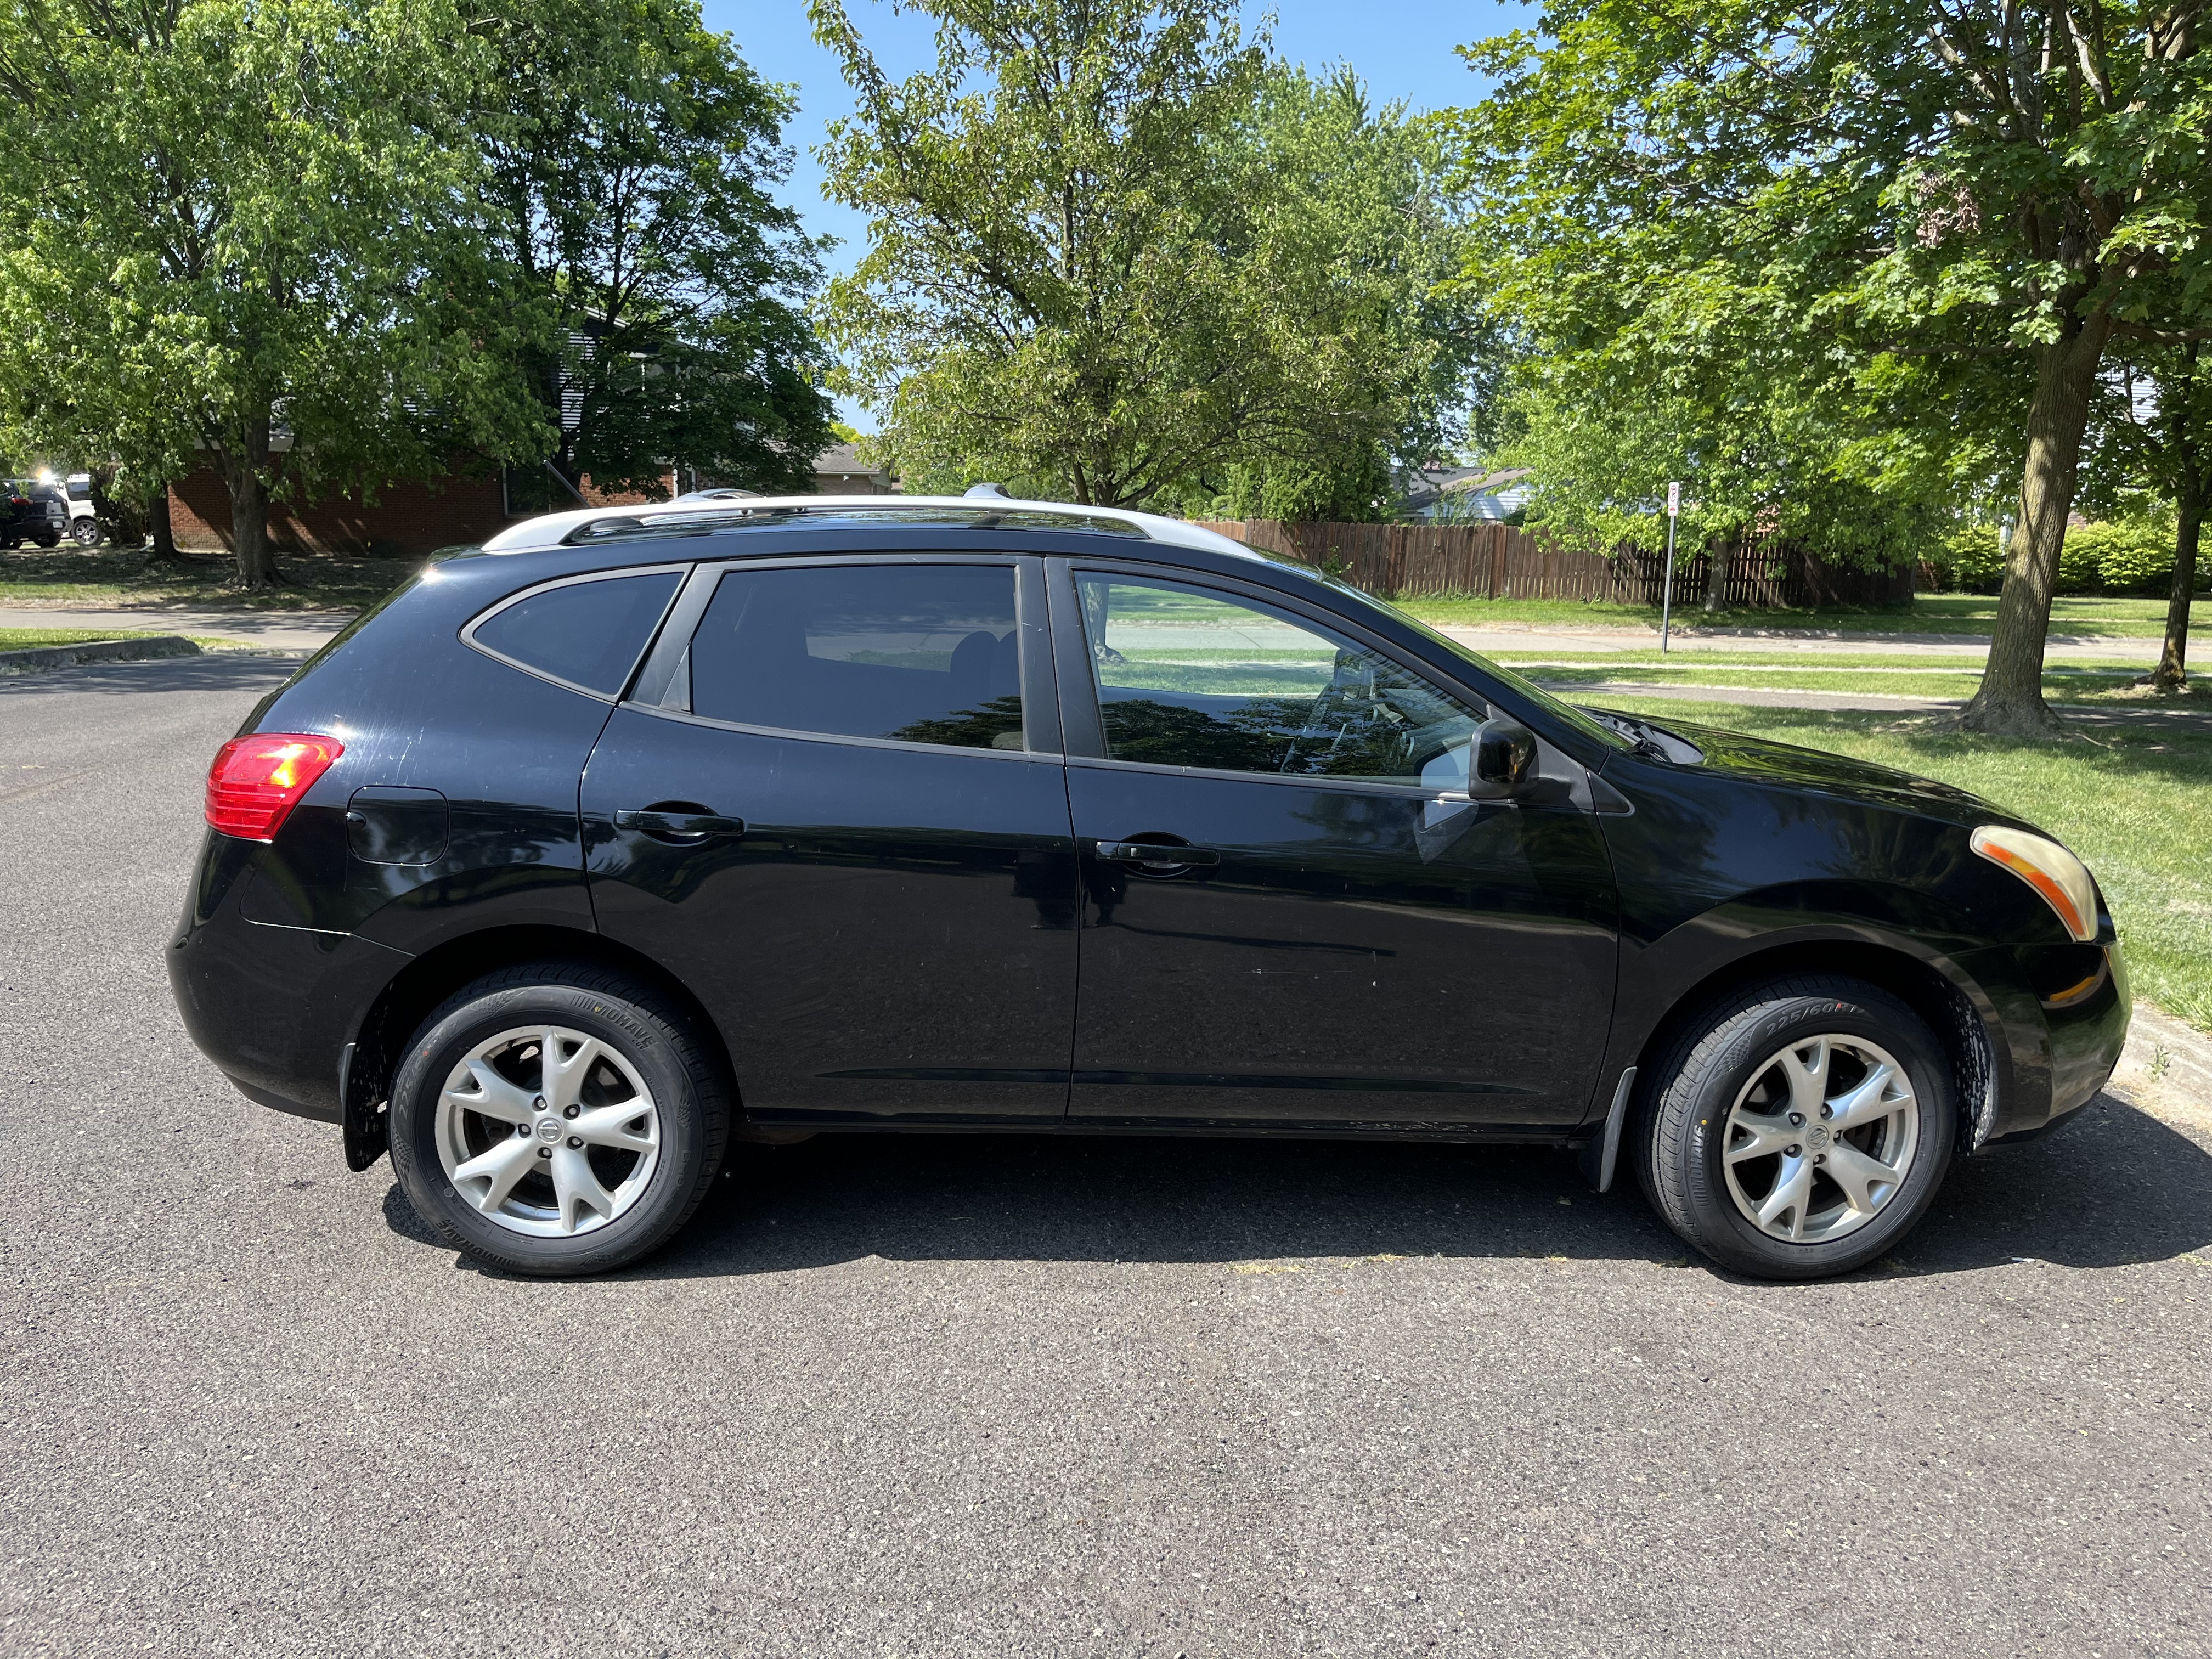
1190, 676
914, 653
589, 634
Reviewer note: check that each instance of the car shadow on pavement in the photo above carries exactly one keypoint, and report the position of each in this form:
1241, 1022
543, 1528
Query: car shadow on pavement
209, 673
2114, 1186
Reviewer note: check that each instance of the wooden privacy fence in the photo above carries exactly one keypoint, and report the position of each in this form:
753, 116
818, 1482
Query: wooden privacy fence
1502, 562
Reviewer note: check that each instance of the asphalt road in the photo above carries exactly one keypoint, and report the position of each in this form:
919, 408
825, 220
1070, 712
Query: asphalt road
943, 1397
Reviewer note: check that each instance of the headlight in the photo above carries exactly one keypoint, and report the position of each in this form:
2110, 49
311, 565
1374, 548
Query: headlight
2061, 879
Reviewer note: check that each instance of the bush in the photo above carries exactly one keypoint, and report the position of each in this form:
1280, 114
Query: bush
2135, 557
1970, 560
2115, 558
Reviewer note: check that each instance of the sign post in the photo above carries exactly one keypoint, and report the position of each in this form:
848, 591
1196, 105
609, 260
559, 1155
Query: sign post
1667, 594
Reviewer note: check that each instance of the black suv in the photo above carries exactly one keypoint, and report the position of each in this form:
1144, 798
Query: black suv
648, 832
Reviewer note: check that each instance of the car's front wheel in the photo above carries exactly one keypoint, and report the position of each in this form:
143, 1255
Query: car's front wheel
556, 1118
1800, 1127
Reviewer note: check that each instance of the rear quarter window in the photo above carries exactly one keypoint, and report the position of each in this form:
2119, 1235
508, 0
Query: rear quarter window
586, 633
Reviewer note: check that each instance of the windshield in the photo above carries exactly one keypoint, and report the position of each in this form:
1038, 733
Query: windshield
1566, 713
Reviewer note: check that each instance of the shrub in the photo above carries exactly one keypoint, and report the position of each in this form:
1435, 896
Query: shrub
2115, 558
1969, 559
2134, 557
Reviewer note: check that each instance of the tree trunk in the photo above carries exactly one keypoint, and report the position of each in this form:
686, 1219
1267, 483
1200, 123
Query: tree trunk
1719, 561
246, 470
2172, 671
2010, 700
157, 522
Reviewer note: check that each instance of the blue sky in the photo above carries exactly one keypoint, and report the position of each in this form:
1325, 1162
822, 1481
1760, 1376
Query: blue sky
1402, 48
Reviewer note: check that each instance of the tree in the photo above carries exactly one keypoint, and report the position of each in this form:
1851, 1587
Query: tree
259, 247
1351, 201
630, 158
1984, 194
1755, 462
2161, 439
1088, 275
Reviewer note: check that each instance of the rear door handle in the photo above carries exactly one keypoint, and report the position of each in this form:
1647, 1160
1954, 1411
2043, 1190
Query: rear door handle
1145, 852
692, 826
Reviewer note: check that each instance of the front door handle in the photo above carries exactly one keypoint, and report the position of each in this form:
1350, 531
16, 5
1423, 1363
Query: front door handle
687, 826
1166, 858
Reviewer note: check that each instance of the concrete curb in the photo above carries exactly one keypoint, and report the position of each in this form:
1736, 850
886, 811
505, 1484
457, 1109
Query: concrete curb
2165, 1066
68, 656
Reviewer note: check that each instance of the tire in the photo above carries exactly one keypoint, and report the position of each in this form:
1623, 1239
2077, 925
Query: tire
499, 1164
86, 533
1775, 1195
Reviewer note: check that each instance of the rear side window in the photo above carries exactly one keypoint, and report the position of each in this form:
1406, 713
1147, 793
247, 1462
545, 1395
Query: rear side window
588, 635
916, 653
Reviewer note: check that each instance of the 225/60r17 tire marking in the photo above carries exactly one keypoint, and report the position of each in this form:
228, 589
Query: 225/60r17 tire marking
547, 1131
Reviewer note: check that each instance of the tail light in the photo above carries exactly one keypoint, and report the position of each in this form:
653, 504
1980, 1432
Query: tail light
255, 782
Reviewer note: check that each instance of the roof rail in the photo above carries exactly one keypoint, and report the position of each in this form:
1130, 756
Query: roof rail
692, 517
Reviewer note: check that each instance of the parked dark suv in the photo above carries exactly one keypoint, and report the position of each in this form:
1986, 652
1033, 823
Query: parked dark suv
650, 831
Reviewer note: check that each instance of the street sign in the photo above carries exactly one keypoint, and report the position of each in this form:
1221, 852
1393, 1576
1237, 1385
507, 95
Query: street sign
1667, 599
1674, 500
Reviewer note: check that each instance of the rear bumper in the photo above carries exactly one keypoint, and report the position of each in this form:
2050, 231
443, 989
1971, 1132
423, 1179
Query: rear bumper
273, 1007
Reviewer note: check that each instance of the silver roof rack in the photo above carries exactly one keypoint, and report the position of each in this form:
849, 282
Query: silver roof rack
694, 517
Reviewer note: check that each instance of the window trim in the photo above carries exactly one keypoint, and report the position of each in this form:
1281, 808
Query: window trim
1077, 678
663, 686
468, 634
788, 734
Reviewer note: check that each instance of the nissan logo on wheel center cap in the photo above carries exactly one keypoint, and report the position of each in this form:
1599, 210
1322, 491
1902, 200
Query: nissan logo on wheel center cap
1816, 1137
548, 1128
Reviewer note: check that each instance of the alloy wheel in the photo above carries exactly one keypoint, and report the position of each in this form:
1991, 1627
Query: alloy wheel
1820, 1139
548, 1131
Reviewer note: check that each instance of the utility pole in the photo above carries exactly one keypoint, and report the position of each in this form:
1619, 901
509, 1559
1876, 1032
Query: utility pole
1667, 594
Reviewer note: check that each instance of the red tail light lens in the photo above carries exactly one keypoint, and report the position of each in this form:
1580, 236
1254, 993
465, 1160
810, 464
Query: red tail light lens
255, 782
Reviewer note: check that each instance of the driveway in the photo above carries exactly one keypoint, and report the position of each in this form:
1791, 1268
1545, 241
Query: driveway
960, 1397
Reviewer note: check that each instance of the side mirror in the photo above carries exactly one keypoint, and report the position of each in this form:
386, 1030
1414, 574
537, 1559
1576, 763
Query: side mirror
1502, 759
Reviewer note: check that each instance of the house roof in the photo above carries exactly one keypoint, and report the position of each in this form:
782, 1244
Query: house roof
843, 461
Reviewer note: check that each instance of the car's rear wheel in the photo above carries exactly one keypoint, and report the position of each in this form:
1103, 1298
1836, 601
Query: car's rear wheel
86, 532
555, 1119
1800, 1127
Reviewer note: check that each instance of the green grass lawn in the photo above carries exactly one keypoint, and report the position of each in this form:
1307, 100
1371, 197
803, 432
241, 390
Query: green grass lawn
30, 639
117, 576
1917, 677
1929, 613
2137, 804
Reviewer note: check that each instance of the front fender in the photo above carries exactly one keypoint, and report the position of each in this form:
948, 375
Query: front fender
1850, 926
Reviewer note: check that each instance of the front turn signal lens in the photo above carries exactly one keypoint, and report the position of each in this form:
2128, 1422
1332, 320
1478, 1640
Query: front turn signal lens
2062, 879
255, 782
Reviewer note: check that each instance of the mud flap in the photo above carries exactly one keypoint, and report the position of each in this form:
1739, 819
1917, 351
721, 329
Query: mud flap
367, 1122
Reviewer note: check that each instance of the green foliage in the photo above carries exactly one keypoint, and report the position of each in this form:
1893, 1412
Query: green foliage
2128, 556
1890, 241
250, 217
1753, 461
629, 154
2117, 558
1114, 254
1969, 557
